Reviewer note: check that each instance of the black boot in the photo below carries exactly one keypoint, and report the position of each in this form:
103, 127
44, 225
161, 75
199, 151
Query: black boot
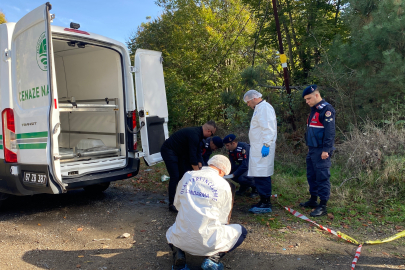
179, 259
172, 208
311, 203
320, 210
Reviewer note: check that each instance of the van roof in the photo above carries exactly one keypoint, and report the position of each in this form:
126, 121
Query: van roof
85, 34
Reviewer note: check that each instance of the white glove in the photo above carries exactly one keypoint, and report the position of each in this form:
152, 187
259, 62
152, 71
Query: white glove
229, 176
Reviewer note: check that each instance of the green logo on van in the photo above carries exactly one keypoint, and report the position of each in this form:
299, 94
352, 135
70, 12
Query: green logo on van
42, 60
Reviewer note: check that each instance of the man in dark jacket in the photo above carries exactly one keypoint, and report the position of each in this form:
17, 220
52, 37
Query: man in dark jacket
320, 137
181, 153
239, 156
208, 146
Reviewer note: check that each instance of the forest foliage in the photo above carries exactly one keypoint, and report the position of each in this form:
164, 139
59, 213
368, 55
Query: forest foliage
215, 50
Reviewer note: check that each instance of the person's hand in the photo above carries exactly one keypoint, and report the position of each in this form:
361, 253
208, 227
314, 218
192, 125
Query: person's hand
265, 151
199, 165
325, 155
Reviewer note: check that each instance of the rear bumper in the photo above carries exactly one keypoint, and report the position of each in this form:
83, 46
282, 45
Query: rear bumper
14, 184
129, 171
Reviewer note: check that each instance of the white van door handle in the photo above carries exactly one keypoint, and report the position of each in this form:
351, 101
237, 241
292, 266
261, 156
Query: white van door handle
56, 128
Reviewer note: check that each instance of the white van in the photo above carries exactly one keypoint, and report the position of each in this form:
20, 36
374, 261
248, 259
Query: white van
68, 108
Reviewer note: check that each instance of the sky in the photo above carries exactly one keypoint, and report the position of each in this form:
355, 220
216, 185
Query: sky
116, 19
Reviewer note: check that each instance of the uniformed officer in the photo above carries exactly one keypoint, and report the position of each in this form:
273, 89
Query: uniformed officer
207, 146
239, 157
320, 137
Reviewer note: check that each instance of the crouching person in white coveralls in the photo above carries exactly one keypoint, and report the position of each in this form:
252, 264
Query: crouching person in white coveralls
204, 201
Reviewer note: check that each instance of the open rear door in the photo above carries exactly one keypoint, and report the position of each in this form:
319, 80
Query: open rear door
35, 105
151, 103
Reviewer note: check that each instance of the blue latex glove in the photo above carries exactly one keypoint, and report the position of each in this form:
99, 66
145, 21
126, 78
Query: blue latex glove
265, 151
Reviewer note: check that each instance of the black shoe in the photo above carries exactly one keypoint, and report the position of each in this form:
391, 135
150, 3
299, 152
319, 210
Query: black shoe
172, 208
263, 200
319, 211
242, 191
309, 204
264, 207
254, 193
179, 259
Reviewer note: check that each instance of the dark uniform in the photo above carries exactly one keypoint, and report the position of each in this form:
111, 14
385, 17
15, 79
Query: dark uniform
240, 162
320, 137
179, 152
206, 151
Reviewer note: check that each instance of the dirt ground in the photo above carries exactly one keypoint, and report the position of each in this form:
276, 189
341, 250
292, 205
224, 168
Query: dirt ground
79, 231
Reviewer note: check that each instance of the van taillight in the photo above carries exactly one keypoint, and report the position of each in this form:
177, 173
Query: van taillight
133, 128
9, 139
133, 119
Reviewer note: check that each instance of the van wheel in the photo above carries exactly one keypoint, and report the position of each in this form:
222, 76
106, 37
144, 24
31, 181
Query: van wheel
3, 197
97, 188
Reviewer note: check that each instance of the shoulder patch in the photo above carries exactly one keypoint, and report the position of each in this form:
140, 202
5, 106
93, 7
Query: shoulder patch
243, 151
328, 114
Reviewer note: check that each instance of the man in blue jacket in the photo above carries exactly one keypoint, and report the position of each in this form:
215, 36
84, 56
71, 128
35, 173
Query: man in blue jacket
320, 137
239, 156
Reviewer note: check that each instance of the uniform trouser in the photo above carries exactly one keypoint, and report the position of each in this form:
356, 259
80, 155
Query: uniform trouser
318, 173
263, 185
244, 181
176, 166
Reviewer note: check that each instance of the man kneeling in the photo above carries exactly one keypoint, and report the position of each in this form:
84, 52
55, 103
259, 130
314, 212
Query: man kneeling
204, 201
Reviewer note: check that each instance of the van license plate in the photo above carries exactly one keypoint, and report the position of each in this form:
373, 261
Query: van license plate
35, 178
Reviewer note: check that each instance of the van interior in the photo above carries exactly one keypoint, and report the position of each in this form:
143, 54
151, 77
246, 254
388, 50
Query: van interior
91, 105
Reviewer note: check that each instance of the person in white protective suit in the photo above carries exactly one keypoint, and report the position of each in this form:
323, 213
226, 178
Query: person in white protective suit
262, 136
204, 201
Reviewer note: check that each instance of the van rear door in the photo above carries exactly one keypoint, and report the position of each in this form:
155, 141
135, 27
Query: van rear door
35, 99
151, 103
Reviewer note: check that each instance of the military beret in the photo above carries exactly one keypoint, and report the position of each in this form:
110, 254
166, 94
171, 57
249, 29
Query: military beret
229, 138
217, 141
309, 90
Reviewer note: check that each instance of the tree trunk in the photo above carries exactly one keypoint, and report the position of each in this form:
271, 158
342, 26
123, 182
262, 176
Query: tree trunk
288, 37
337, 12
294, 36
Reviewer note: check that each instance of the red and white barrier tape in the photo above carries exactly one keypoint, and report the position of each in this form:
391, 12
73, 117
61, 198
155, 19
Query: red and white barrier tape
338, 234
356, 257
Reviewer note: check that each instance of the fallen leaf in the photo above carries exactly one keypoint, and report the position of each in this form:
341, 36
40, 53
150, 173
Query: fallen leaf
143, 230
271, 219
39, 224
331, 216
125, 235
365, 225
78, 266
385, 253
290, 246
80, 256
79, 229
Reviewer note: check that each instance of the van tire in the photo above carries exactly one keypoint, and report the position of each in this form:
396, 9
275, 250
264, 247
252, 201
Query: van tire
97, 188
3, 197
